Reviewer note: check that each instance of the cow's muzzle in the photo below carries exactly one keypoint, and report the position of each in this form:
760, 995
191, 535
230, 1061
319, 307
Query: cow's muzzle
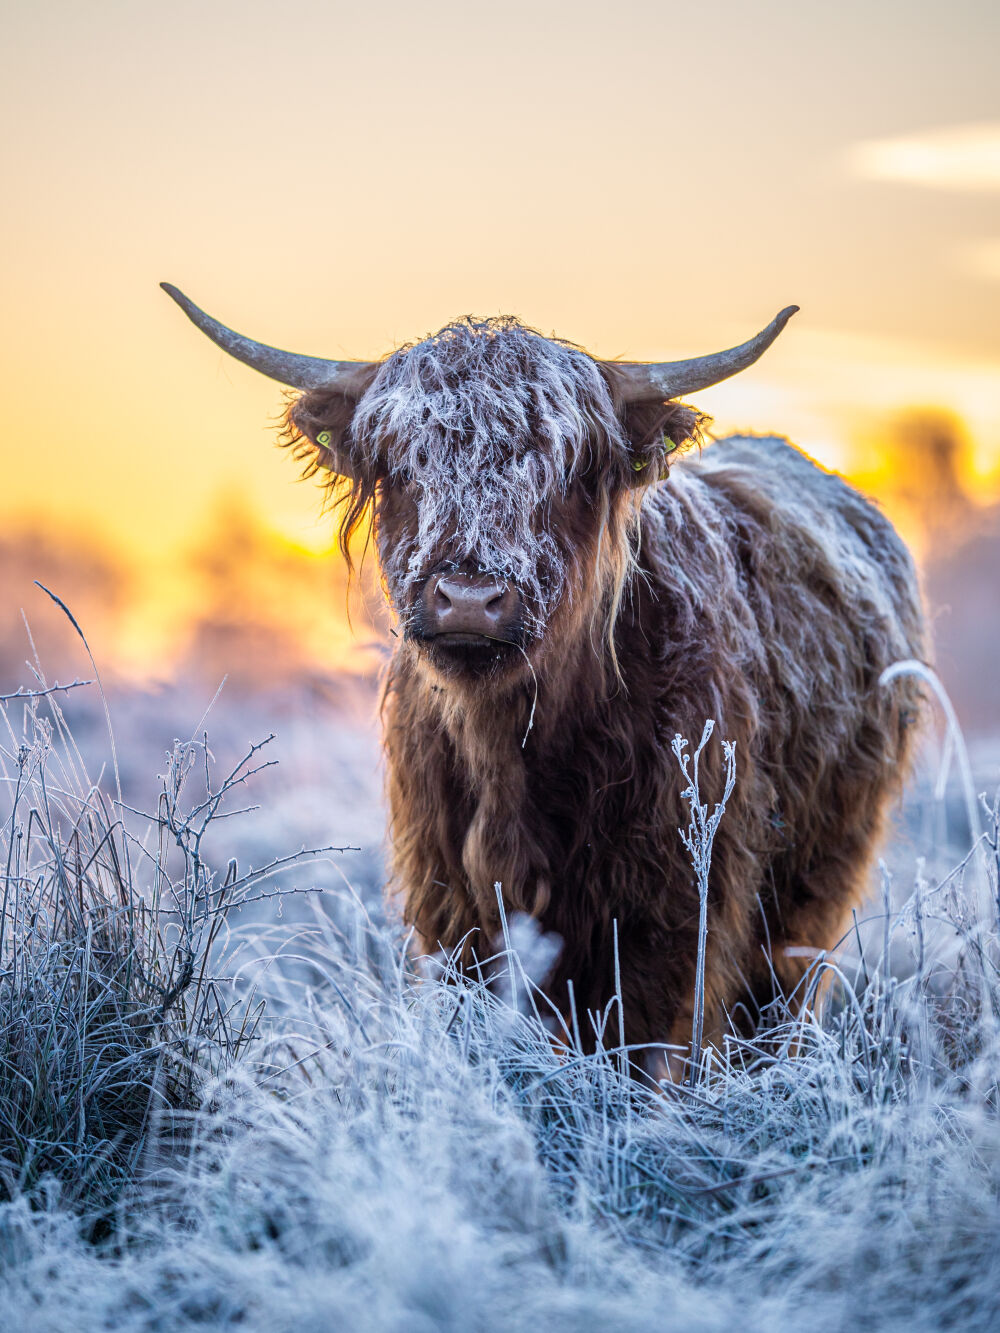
463, 610
468, 623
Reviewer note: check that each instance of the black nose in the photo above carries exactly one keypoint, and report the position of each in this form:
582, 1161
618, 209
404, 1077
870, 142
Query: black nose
471, 604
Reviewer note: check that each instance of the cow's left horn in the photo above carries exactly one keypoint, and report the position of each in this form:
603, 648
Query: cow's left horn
670, 379
299, 372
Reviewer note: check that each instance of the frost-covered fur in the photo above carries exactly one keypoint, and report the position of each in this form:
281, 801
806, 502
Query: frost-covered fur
769, 597
751, 587
486, 422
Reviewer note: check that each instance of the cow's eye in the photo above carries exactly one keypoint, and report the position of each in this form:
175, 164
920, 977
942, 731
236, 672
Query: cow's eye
402, 480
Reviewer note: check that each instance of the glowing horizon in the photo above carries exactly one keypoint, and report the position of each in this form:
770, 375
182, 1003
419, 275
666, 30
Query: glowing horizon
338, 182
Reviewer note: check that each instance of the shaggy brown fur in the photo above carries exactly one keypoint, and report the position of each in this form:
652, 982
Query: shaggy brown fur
752, 588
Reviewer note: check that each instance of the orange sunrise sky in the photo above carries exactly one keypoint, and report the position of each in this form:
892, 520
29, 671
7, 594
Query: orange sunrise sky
647, 179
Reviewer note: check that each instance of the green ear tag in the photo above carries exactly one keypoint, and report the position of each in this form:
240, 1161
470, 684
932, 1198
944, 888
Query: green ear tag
639, 463
324, 438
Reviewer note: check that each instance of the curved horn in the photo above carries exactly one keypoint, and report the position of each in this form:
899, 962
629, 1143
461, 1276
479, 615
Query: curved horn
299, 372
671, 379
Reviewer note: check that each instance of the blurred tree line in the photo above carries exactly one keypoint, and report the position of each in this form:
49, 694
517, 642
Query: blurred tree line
254, 606
242, 601
919, 467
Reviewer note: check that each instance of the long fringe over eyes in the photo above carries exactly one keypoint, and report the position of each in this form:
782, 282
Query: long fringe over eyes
517, 451
489, 424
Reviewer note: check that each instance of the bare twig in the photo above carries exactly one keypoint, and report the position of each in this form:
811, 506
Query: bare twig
22, 693
698, 839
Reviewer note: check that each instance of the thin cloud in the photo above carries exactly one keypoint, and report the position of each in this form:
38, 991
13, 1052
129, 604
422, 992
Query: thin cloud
962, 157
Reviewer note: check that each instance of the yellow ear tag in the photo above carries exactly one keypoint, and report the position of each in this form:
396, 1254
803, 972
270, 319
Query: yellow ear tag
324, 438
639, 463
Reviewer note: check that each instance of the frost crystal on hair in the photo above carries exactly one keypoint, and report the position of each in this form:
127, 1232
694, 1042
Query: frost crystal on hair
486, 421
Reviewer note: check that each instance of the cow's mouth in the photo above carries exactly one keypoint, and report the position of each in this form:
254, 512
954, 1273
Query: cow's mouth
464, 651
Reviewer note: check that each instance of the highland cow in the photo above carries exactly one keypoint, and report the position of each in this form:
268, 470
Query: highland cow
574, 586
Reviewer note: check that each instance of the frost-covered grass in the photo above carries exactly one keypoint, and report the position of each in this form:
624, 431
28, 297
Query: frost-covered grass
211, 1117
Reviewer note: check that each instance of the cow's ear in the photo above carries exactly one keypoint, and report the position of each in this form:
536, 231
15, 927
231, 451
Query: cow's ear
318, 427
656, 432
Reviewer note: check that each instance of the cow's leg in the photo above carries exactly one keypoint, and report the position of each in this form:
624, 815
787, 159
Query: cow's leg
660, 1002
807, 909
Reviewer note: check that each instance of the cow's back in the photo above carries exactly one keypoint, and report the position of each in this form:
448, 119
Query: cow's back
819, 566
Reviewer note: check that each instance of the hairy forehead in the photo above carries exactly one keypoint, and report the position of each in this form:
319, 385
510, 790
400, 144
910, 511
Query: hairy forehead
490, 389
486, 422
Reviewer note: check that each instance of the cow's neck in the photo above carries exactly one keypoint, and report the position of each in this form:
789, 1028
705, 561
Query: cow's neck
502, 749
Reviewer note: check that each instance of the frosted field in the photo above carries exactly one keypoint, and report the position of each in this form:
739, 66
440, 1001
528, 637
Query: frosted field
369, 1150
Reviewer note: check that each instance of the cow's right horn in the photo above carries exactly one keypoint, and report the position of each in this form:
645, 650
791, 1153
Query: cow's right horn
298, 372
